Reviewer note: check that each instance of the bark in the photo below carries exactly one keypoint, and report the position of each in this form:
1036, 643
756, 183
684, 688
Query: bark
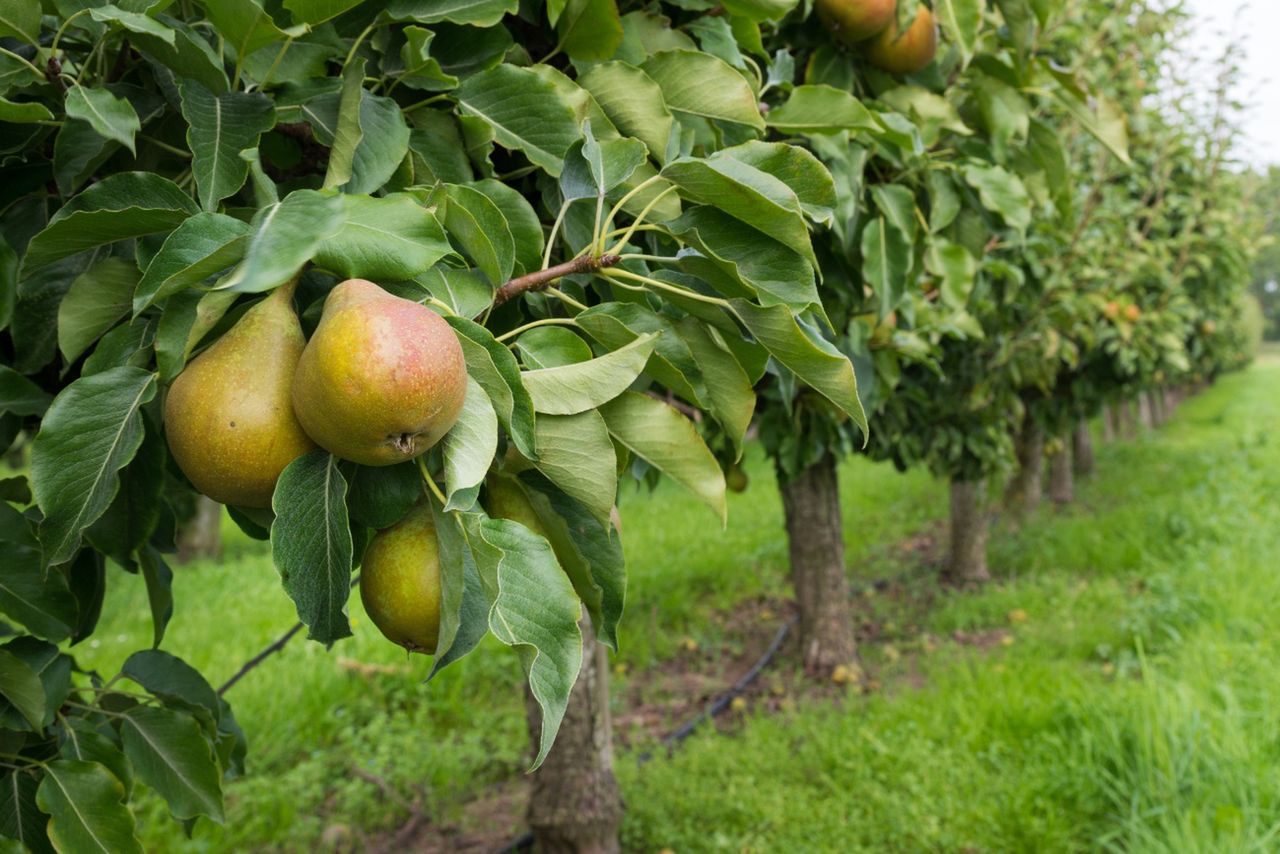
1144, 411
1109, 423
1022, 496
1082, 448
575, 805
1062, 489
967, 560
1158, 415
815, 540
1128, 427
201, 535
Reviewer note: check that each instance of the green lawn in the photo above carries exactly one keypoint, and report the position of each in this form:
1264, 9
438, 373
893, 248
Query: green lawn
1136, 706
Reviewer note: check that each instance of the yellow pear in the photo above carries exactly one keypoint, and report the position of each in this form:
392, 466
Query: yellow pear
229, 417
906, 52
400, 581
853, 21
381, 380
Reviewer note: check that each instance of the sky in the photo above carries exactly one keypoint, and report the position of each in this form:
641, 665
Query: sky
1253, 26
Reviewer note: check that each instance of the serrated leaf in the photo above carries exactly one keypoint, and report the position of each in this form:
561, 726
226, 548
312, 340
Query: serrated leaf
111, 117
91, 431
704, 85
575, 453
84, 802
387, 238
170, 753
525, 112
98, 298
311, 543
283, 237
201, 246
570, 389
120, 206
469, 447
219, 127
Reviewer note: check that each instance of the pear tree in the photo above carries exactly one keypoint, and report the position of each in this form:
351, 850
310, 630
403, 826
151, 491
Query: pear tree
406, 285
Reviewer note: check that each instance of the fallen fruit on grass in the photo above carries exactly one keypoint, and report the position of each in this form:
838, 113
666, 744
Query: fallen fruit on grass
383, 378
229, 416
400, 581
852, 21
905, 51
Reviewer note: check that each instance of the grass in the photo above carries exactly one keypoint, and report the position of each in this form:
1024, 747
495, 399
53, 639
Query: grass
1135, 708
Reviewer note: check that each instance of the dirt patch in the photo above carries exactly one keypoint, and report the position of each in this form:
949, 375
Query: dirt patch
486, 824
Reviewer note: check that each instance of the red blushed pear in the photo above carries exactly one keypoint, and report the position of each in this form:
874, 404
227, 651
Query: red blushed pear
228, 417
905, 52
381, 380
852, 21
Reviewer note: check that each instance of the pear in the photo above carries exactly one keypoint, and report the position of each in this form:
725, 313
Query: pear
504, 499
381, 380
906, 52
400, 581
852, 21
229, 417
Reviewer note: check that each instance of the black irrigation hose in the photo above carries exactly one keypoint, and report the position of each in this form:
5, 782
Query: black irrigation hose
680, 733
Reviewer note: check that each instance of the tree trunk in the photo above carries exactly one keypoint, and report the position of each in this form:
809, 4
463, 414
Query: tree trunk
1128, 427
815, 539
1158, 413
967, 561
201, 535
575, 806
1022, 496
1109, 422
1062, 488
1082, 448
1144, 411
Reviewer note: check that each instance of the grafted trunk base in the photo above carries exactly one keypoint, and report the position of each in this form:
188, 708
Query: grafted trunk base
967, 558
1062, 488
1082, 449
815, 541
1022, 495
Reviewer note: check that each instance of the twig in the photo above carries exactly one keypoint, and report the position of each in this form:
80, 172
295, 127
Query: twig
541, 279
271, 650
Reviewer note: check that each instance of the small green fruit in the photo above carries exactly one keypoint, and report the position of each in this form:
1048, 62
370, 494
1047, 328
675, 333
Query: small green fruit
400, 581
229, 417
852, 21
383, 378
736, 479
906, 52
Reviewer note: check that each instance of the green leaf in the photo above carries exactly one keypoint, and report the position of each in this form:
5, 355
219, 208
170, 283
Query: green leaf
522, 220
20, 395
188, 56
391, 238
159, 580
314, 12
421, 69
760, 10
535, 611
20, 818
120, 206
1108, 123
633, 102
464, 608
886, 261
283, 237
20, 685
589, 29
219, 128
956, 267
112, 117
133, 21
23, 112
91, 431
554, 346
818, 365
347, 134
481, 230
84, 802
669, 442
201, 246
172, 680
244, 24
380, 496
467, 292
170, 753
384, 139
21, 19
98, 298
961, 19
311, 543
576, 454
703, 85
820, 109
469, 447
745, 193
1001, 192
570, 389
732, 399
187, 318
495, 368
525, 112
478, 13
37, 599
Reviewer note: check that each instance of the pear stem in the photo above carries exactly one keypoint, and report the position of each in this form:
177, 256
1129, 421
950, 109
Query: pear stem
541, 279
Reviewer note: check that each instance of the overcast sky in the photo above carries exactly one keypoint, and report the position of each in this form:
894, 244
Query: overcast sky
1254, 26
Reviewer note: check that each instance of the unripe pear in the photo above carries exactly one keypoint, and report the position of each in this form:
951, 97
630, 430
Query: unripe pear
400, 581
736, 479
900, 52
381, 380
504, 499
1112, 310
852, 21
229, 417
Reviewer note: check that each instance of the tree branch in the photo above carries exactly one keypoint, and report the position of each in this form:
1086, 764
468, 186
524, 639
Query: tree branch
543, 278
271, 650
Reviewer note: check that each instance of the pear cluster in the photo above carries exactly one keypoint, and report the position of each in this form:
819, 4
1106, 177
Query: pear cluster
873, 26
380, 382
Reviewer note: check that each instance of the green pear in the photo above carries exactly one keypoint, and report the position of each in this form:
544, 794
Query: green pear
400, 581
229, 417
900, 52
852, 21
381, 380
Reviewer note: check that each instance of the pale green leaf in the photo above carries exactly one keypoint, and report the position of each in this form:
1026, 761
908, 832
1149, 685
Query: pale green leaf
570, 389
